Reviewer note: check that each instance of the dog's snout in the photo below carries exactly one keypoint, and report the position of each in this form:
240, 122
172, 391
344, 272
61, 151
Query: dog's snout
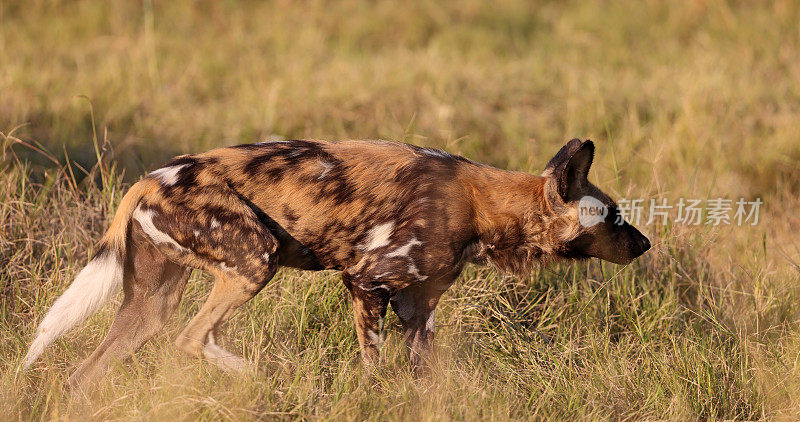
644, 243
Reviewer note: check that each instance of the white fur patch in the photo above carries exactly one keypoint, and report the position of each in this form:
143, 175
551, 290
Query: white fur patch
214, 223
272, 139
413, 270
223, 358
196, 233
369, 289
99, 280
327, 166
379, 236
225, 266
168, 175
436, 153
265, 256
405, 249
145, 218
374, 338
430, 324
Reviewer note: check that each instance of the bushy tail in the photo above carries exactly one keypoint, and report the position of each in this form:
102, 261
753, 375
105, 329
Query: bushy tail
96, 283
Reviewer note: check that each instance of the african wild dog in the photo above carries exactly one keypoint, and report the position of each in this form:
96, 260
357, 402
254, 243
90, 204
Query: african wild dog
399, 221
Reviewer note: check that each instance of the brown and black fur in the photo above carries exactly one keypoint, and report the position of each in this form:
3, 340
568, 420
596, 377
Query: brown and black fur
399, 221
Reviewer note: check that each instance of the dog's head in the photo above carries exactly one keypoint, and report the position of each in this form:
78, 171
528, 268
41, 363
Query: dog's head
600, 230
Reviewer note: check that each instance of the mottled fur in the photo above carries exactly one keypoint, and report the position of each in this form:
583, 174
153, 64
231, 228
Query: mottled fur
400, 222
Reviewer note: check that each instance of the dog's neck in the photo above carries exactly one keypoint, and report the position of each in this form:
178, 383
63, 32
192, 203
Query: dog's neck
516, 227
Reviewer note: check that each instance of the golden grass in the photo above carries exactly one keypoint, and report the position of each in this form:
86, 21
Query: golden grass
696, 100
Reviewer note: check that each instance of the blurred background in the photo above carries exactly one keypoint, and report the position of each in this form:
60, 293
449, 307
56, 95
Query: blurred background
683, 86
684, 99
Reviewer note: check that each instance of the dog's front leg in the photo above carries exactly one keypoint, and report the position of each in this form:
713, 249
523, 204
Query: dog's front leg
369, 309
370, 291
415, 306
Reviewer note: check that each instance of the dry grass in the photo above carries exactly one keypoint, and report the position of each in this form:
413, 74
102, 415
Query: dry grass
683, 99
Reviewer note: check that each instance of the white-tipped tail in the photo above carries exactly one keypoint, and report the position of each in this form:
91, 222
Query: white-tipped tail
94, 286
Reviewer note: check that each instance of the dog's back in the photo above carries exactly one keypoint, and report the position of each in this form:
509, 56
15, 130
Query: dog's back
325, 198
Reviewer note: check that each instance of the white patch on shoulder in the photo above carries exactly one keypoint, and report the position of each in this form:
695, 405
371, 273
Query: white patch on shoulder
413, 270
430, 324
225, 266
214, 223
378, 236
405, 249
145, 218
168, 175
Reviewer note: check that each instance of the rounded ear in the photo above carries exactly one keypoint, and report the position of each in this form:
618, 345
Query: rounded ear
569, 168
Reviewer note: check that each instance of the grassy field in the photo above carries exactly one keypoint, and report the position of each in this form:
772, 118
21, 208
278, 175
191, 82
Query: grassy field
693, 99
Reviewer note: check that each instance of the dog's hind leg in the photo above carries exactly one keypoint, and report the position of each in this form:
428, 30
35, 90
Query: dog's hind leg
200, 337
236, 283
153, 286
241, 254
211, 228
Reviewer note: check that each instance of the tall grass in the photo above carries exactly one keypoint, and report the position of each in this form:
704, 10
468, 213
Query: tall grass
694, 100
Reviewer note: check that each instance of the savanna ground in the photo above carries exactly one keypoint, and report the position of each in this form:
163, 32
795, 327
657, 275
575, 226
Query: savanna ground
687, 99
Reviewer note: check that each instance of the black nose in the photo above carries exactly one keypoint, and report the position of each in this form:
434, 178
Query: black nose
644, 244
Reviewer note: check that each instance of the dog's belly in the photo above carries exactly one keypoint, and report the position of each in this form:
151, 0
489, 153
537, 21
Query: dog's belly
327, 243
292, 252
319, 239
